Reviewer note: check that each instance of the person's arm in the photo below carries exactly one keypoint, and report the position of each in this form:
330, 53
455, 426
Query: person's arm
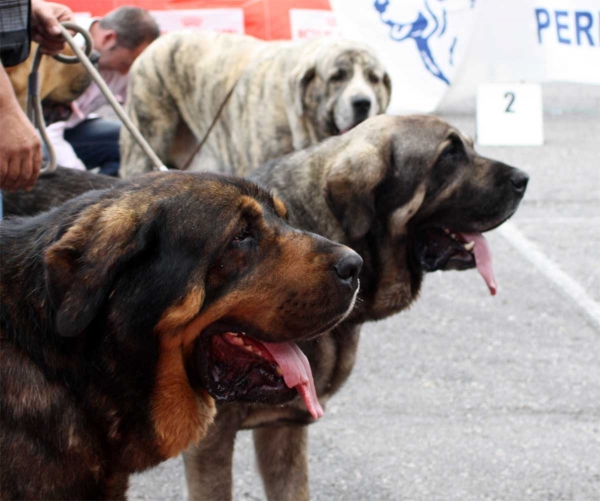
20, 147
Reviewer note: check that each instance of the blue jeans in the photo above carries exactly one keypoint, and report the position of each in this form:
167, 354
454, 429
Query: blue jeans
96, 142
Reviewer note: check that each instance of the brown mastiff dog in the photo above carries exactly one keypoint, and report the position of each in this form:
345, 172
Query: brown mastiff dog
123, 309
59, 82
410, 195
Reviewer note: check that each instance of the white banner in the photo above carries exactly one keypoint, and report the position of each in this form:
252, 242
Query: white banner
421, 42
569, 32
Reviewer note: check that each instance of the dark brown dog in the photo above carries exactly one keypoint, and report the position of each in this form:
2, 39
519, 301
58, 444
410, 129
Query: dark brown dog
395, 189
54, 189
390, 189
122, 307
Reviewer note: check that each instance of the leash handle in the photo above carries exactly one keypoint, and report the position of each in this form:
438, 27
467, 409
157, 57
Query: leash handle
110, 97
89, 43
33, 109
34, 103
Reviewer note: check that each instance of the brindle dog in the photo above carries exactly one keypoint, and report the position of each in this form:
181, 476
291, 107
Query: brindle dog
410, 195
122, 307
285, 96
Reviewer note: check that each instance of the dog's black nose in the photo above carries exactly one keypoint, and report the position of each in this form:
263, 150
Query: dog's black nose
348, 268
361, 106
519, 181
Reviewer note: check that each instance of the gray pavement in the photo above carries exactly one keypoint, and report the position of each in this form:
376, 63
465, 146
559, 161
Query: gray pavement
467, 396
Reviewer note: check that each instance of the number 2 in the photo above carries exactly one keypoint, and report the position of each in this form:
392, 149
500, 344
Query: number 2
511, 97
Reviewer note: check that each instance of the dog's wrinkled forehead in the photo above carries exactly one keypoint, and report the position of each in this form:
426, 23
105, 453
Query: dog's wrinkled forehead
211, 190
207, 201
417, 140
346, 57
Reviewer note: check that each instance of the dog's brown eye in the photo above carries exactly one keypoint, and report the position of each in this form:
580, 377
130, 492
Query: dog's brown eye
338, 76
373, 78
447, 152
244, 234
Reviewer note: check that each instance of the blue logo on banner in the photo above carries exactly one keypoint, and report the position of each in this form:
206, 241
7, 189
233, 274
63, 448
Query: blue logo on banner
420, 25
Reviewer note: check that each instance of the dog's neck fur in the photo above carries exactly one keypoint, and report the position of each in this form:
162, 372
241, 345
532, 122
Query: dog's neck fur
76, 365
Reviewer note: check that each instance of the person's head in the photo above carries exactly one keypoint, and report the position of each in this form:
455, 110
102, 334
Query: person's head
121, 36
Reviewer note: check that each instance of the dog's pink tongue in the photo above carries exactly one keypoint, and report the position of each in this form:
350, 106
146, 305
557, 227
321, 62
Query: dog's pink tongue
483, 259
297, 373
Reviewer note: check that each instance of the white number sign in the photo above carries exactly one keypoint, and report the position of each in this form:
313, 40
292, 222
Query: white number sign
510, 114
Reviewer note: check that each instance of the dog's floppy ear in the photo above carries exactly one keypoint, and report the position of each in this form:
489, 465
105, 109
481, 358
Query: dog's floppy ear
82, 265
298, 82
303, 134
350, 187
387, 83
403, 150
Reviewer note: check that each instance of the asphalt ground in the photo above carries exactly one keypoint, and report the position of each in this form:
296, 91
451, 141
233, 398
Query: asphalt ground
467, 396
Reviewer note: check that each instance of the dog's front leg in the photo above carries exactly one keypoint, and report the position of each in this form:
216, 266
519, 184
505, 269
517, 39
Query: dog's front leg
208, 466
282, 456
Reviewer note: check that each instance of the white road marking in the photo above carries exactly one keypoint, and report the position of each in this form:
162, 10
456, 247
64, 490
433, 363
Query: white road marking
563, 281
557, 220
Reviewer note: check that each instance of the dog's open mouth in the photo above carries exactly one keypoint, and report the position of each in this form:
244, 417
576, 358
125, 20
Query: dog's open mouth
233, 366
442, 249
334, 130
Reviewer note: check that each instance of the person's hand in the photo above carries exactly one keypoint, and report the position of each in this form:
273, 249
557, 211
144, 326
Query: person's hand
20, 151
45, 20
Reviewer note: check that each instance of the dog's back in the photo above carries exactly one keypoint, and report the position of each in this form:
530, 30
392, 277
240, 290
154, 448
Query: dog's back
243, 101
52, 190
